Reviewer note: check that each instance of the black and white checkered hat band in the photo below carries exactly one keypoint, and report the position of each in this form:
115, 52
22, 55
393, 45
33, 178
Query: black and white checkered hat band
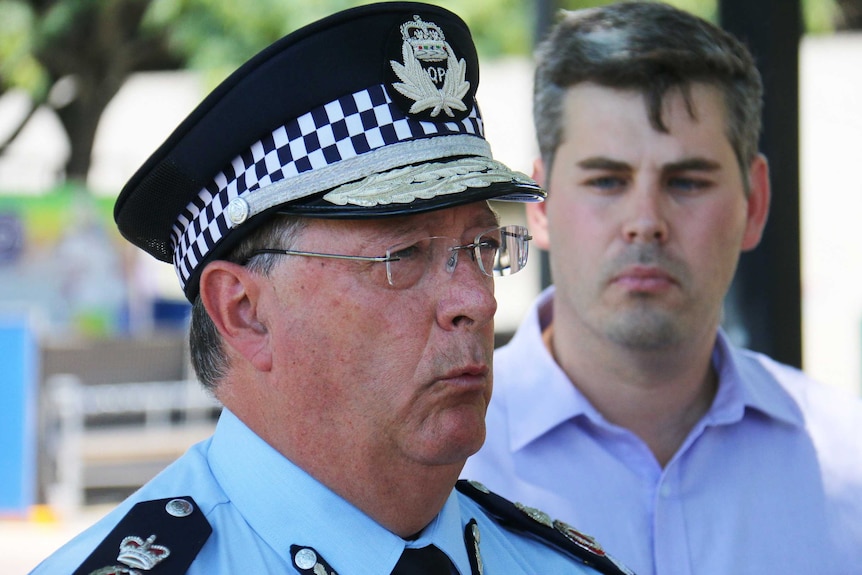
313, 153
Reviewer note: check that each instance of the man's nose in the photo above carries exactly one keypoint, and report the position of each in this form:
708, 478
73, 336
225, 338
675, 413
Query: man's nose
645, 216
469, 293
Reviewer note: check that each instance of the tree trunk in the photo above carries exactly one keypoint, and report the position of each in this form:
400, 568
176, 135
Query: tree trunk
101, 45
80, 119
850, 15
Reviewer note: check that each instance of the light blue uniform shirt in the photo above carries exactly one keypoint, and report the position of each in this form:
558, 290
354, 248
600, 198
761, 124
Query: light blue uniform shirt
259, 504
768, 482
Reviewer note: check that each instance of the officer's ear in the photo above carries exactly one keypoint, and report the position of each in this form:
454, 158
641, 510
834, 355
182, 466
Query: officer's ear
537, 215
231, 294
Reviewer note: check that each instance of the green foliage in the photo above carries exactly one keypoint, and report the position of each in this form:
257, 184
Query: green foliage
219, 35
18, 66
707, 9
46, 216
60, 19
819, 16
499, 27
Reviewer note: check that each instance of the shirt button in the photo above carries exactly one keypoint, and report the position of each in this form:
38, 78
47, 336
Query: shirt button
665, 491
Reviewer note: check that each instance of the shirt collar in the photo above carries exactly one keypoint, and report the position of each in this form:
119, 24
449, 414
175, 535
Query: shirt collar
284, 505
447, 533
539, 396
745, 382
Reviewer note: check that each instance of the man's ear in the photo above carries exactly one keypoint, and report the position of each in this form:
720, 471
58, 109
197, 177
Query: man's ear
758, 202
231, 295
537, 215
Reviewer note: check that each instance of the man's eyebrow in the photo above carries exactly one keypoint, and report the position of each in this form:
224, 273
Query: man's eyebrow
693, 164
686, 164
603, 163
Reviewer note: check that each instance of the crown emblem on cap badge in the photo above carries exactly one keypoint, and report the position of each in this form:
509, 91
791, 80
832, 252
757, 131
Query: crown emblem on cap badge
426, 39
425, 42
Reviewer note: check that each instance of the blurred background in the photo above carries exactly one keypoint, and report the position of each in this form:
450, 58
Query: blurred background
96, 394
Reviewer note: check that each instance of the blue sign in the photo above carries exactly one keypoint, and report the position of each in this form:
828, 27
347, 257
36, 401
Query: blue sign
18, 396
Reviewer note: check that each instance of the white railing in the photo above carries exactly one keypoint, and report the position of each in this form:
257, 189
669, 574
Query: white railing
169, 416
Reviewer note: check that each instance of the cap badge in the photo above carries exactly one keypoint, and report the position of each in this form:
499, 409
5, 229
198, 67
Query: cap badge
424, 43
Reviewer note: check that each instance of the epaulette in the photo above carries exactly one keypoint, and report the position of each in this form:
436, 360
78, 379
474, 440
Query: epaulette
162, 536
540, 526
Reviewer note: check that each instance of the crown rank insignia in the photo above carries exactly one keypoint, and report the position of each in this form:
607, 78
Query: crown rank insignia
426, 39
140, 554
424, 46
135, 554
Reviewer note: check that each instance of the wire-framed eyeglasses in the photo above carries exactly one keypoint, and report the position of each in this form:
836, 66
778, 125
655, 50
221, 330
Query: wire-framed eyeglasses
500, 251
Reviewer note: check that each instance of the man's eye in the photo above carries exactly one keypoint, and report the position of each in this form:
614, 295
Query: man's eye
687, 185
489, 244
606, 183
411, 251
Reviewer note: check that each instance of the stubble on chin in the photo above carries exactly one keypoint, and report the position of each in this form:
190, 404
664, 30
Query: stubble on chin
640, 322
643, 328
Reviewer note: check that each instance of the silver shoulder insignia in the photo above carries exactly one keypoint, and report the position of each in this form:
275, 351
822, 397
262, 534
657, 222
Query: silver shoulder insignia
579, 538
136, 553
536, 515
309, 562
182, 531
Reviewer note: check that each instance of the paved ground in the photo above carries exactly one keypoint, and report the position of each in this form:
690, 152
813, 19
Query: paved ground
24, 542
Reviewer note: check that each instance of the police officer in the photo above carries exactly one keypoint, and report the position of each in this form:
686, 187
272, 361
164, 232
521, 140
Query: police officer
326, 211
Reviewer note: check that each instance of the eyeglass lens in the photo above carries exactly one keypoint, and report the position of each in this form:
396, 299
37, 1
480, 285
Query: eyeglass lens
498, 252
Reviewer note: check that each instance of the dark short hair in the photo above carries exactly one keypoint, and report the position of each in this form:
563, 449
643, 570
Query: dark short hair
653, 48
